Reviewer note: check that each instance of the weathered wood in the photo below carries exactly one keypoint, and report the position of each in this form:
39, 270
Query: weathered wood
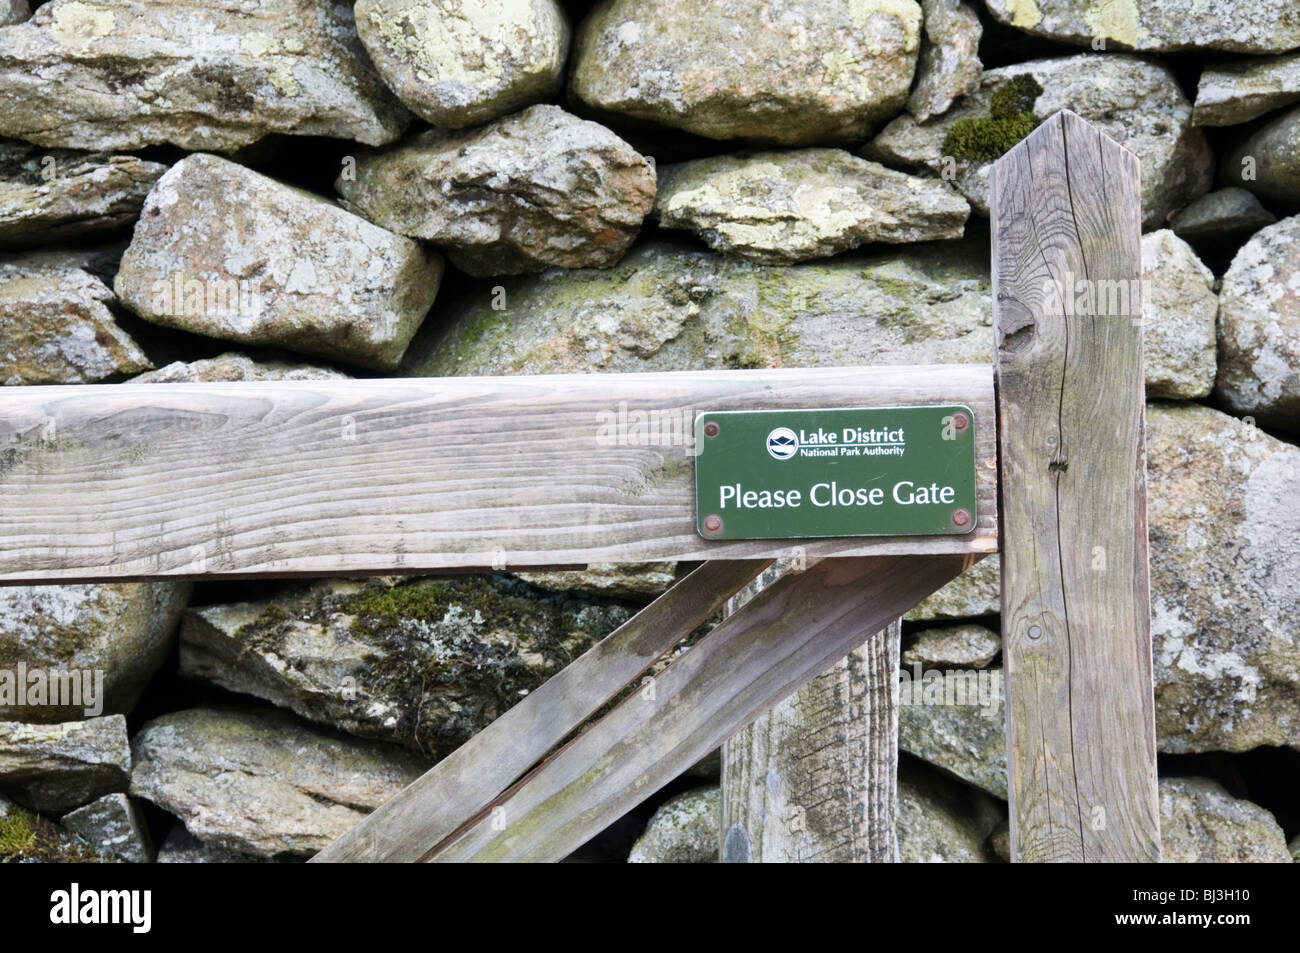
1066, 218
815, 779
782, 638
280, 479
424, 813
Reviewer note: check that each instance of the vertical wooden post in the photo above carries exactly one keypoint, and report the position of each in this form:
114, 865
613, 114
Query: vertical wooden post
815, 779
1066, 210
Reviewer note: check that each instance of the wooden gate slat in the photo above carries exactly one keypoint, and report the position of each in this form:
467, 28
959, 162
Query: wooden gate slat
1066, 215
815, 778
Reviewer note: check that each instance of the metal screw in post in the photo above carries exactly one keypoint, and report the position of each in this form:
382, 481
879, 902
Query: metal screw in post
1035, 632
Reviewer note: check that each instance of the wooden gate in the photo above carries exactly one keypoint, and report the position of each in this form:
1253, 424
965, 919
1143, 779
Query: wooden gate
269, 479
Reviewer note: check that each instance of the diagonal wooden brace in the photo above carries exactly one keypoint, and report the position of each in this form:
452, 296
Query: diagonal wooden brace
781, 639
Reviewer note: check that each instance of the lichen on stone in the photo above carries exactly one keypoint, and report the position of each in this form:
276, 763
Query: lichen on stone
428, 661
455, 636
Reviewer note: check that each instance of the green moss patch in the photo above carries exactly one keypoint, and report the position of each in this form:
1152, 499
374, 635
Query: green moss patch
1011, 118
25, 836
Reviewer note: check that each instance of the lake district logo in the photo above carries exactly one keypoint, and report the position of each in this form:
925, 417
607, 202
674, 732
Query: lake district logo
783, 443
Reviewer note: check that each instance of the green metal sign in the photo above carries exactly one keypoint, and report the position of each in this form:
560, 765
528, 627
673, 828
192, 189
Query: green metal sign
872, 471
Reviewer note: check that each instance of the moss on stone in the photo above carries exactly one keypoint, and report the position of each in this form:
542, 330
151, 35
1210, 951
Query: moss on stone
442, 657
983, 140
1011, 118
274, 614
25, 836
457, 653
1015, 97
16, 834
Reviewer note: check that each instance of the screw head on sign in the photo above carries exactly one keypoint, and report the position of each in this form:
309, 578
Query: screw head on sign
960, 518
711, 429
960, 421
713, 524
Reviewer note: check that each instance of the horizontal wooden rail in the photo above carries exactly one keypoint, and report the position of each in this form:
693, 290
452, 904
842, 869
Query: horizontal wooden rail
130, 481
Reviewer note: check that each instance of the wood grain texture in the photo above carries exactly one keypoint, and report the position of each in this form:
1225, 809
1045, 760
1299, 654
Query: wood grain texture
128, 481
778, 641
815, 778
457, 788
1066, 207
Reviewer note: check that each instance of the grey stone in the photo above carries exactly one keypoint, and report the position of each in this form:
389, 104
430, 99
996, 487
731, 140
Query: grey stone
56, 195
1268, 162
232, 366
976, 592
786, 207
954, 646
459, 63
940, 821
1225, 549
1000, 842
122, 74
1201, 823
113, 825
58, 327
425, 663
118, 634
1259, 328
14, 11
795, 74
1133, 100
1228, 215
261, 782
100, 259
538, 189
954, 720
684, 830
182, 847
1158, 26
665, 307
56, 768
1237, 92
223, 251
949, 65
1179, 311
